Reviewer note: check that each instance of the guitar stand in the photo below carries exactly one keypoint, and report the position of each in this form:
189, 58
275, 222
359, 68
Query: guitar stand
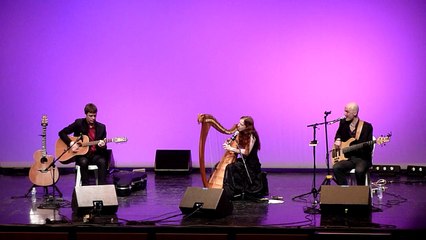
51, 203
327, 180
45, 189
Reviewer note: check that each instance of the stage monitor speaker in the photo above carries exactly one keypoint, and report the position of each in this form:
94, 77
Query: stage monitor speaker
208, 202
100, 199
352, 200
173, 161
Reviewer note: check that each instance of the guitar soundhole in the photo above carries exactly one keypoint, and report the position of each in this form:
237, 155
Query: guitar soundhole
43, 159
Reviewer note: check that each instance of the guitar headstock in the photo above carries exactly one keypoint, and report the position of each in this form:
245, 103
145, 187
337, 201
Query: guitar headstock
119, 139
44, 121
383, 139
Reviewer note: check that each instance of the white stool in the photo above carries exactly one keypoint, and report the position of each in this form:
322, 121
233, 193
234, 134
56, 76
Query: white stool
352, 178
78, 174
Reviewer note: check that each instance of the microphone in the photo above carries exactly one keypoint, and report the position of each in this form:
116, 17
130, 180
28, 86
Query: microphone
336, 120
234, 136
327, 112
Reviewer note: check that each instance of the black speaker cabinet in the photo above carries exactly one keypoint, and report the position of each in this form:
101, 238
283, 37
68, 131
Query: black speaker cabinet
173, 161
352, 200
97, 198
210, 202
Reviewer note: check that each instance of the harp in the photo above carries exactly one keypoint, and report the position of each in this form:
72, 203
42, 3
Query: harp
216, 179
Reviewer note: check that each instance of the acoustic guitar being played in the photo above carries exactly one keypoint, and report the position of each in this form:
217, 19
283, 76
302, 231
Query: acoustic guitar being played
338, 154
64, 153
41, 172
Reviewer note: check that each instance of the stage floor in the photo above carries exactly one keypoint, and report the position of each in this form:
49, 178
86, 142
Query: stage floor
399, 214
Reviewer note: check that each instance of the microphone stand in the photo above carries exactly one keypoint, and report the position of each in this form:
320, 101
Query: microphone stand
313, 144
54, 204
329, 177
245, 166
243, 160
248, 175
314, 191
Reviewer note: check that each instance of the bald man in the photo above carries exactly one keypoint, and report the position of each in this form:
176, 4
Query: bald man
359, 159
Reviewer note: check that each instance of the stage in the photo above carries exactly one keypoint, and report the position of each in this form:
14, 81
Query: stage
153, 213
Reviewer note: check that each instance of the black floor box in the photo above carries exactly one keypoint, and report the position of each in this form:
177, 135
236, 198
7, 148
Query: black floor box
173, 161
127, 182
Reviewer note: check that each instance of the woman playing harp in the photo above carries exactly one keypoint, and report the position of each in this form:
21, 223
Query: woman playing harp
238, 176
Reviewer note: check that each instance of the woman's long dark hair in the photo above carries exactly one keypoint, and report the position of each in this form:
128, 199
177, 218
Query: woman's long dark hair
250, 129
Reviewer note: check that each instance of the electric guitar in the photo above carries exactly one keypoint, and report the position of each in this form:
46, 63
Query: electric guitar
39, 174
65, 154
338, 154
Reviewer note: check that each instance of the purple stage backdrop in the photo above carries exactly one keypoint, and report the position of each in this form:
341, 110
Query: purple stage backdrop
152, 66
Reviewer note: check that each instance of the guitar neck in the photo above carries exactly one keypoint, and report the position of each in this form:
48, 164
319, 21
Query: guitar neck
107, 140
43, 143
358, 146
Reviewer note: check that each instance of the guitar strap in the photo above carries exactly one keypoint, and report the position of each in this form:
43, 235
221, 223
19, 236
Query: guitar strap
358, 129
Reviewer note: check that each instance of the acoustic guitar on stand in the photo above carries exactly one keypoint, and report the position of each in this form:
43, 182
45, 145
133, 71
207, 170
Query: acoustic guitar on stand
84, 144
39, 174
338, 154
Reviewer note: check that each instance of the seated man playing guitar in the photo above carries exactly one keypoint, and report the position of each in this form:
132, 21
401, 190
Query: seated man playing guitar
355, 131
96, 153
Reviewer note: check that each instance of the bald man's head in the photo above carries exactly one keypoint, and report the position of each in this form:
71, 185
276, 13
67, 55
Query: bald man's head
351, 111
